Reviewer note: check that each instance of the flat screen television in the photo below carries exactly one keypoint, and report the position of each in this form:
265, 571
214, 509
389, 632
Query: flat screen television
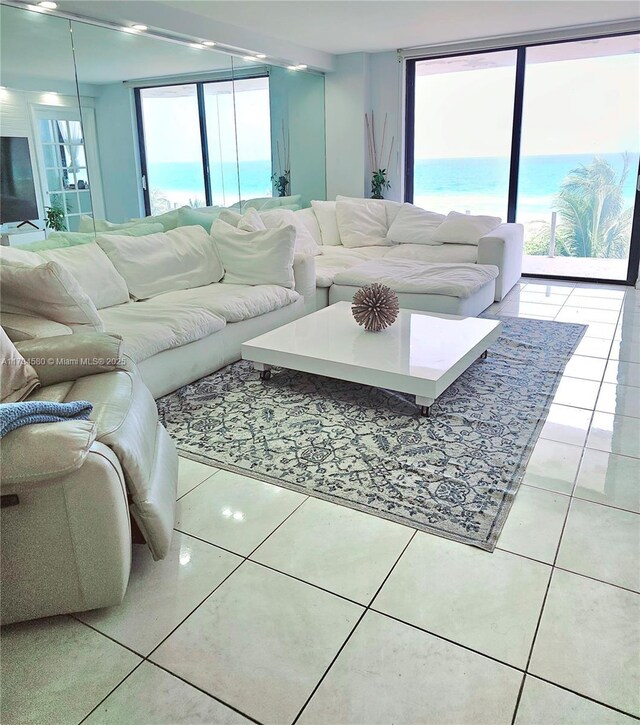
17, 191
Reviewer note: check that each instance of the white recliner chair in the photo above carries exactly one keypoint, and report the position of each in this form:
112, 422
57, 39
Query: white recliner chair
76, 493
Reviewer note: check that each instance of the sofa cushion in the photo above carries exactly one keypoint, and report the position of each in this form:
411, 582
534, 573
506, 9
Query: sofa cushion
32, 286
58, 240
414, 225
169, 219
269, 202
154, 325
93, 271
18, 378
434, 252
305, 243
455, 280
188, 217
361, 223
231, 301
157, 263
325, 212
460, 228
308, 218
336, 259
391, 207
262, 257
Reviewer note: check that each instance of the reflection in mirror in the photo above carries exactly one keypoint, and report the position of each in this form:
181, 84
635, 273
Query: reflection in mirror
45, 150
179, 126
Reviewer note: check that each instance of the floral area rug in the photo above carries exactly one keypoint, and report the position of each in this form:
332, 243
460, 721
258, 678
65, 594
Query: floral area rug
454, 474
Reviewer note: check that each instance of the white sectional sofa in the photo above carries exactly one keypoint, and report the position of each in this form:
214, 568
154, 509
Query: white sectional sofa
501, 247
175, 336
180, 320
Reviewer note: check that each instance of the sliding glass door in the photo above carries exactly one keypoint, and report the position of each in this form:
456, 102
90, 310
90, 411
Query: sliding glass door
174, 172
579, 151
546, 135
462, 132
197, 140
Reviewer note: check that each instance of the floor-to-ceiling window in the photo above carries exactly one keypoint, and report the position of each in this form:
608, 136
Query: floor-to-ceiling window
546, 135
199, 139
462, 139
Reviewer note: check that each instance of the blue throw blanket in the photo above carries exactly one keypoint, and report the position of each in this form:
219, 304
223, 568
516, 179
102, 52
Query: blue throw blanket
15, 415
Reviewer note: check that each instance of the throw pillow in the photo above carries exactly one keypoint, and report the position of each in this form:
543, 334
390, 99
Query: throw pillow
188, 217
182, 258
93, 271
44, 289
391, 207
308, 218
305, 243
253, 258
460, 228
413, 225
18, 378
58, 240
169, 219
361, 223
251, 221
325, 212
229, 216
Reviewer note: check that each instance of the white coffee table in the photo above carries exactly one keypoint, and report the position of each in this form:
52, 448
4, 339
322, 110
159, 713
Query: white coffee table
421, 353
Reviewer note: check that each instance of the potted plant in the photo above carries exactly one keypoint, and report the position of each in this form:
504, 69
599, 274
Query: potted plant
281, 177
379, 181
54, 216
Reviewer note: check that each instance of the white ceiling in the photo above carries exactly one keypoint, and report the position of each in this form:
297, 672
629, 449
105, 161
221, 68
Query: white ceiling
103, 55
345, 26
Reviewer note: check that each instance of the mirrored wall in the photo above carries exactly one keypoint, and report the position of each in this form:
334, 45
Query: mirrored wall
118, 124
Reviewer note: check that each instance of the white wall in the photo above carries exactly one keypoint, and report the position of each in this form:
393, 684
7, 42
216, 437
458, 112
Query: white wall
119, 155
361, 83
346, 100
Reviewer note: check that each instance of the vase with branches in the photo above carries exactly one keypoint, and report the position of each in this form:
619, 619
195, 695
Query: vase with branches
281, 177
379, 181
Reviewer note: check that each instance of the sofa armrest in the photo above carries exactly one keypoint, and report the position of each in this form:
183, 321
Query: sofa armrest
304, 273
503, 247
69, 357
38, 452
24, 327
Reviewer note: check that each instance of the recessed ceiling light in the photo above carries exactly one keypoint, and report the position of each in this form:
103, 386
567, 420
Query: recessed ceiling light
208, 43
139, 26
292, 67
301, 66
47, 4
261, 55
199, 46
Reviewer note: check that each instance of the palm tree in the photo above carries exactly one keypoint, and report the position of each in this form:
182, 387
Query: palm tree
593, 221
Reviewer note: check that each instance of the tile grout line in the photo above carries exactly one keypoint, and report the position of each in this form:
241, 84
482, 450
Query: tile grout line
357, 624
369, 607
559, 545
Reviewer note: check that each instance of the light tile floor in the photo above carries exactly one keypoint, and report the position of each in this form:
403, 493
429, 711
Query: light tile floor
279, 608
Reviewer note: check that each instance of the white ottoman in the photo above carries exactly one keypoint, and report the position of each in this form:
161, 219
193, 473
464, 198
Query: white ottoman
456, 289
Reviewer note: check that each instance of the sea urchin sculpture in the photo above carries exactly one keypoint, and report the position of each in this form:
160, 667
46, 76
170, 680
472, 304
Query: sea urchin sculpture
375, 307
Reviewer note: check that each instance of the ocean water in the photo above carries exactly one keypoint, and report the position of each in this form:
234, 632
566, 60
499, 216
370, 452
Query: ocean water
479, 185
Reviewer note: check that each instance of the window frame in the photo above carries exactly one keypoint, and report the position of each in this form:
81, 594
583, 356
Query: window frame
516, 135
202, 125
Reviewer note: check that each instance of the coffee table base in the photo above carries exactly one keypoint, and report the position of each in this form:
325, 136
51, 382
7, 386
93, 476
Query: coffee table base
423, 403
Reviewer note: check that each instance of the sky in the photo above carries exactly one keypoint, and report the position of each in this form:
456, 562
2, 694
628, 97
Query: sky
172, 131
590, 105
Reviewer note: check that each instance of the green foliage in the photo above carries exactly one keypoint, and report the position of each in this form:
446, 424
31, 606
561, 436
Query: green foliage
379, 183
54, 216
281, 182
592, 220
